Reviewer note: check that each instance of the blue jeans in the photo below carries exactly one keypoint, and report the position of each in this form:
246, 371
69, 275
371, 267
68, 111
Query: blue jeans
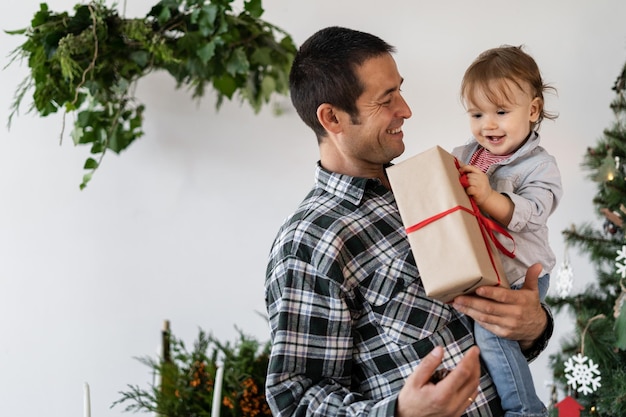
509, 369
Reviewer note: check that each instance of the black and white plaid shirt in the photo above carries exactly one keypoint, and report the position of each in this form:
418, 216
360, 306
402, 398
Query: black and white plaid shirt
349, 317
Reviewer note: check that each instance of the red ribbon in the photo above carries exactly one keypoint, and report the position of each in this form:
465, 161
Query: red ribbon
487, 226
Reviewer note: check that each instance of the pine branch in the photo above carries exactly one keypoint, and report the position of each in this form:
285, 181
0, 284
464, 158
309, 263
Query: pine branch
593, 308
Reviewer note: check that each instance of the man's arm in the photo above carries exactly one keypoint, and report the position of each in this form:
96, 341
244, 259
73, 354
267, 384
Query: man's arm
312, 343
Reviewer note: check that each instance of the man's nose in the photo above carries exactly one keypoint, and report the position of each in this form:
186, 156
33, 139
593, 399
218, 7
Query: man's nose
404, 110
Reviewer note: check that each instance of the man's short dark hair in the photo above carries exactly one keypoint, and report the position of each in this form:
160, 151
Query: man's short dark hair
324, 71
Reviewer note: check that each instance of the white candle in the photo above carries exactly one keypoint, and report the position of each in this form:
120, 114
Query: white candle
87, 401
217, 391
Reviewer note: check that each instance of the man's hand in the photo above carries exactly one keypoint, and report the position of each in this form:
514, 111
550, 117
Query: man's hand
448, 398
512, 314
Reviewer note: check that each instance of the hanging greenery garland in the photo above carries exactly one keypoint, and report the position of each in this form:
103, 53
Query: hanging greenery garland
87, 63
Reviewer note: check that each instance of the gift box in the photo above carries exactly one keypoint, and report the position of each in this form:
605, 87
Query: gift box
455, 247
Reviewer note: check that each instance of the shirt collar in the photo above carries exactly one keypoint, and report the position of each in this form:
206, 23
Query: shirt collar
529, 144
344, 186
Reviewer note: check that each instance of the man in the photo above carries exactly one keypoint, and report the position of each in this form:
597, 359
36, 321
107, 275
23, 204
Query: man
352, 330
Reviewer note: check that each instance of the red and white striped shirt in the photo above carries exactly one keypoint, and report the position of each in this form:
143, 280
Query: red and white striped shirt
483, 159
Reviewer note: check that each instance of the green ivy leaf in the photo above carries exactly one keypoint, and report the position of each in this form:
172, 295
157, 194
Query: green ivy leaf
77, 134
136, 121
206, 19
86, 179
91, 163
253, 7
85, 118
97, 148
140, 58
268, 86
237, 62
116, 141
206, 52
226, 85
261, 56
87, 136
164, 15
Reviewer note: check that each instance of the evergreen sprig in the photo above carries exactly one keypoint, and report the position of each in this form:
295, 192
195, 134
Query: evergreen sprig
87, 63
186, 384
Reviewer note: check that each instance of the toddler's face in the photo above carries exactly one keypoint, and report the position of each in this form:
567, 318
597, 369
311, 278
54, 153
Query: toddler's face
502, 123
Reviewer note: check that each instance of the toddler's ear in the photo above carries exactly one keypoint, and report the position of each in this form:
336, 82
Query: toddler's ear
535, 109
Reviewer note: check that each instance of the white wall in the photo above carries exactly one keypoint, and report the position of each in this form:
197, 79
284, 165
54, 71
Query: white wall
178, 227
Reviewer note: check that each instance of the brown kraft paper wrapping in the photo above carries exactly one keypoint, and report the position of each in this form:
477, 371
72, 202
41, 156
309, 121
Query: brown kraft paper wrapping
451, 253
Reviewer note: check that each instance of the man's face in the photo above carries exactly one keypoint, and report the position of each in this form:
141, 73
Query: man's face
375, 136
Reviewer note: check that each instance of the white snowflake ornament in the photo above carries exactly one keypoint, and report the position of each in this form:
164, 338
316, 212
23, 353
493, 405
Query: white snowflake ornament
564, 278
582, 374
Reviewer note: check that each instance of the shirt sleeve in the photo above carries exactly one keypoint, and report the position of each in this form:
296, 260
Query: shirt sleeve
536, 197
310, 367
542, 342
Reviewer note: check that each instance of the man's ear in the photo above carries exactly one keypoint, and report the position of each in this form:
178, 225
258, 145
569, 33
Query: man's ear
327, 116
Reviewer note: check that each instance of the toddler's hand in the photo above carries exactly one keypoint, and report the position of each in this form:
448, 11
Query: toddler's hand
476, 184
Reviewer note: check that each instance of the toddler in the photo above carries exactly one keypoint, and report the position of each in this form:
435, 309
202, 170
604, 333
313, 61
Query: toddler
515, 182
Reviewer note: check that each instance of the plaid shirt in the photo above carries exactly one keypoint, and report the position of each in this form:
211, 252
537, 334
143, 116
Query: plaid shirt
349, 317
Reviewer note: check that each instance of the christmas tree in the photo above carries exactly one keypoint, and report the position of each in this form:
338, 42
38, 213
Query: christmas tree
591, 365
